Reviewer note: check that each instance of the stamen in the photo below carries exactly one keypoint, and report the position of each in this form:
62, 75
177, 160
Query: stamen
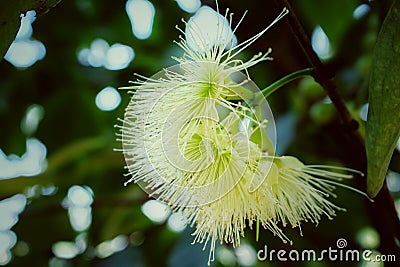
239, 48
336, 168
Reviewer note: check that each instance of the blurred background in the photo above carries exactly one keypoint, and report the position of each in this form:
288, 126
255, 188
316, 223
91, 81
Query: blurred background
62, 199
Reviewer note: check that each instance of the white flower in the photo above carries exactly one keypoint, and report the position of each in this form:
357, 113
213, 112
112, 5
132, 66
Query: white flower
194, 136
289, 193
166, 111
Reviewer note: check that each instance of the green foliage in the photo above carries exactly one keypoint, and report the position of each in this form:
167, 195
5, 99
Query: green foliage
9, 25
325, 14
80, 138
383, 129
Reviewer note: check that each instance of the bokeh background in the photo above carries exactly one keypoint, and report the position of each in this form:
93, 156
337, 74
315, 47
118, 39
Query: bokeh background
62, 199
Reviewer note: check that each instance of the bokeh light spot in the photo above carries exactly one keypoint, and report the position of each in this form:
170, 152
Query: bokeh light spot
246, 255
65, 250
201, 32
109, 247
25, 30
101, 54
48, 190
5, 257
361, 11
189, 6
83, 56
7, 221
393, 181
34, 114
98, 51
118, 57
364, 112
108, 99
397, 206
10, 208
372, 262
176, 222
25, 53
156, 211
119, 243
320, 43
7, 240
78, 203
225, 256
80, 217
81, 242
33, 162
80, 196
141, 14
21, 249
136, 238
368, 238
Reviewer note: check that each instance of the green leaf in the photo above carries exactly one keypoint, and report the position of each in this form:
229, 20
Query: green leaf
383, 125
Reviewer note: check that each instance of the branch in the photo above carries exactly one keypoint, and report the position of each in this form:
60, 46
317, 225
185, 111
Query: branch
321, 75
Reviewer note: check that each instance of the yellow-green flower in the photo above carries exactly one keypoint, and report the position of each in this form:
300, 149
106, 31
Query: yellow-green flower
168, 109
289, 192
194, 136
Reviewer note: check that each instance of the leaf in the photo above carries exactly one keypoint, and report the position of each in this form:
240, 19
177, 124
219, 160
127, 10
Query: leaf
383, 124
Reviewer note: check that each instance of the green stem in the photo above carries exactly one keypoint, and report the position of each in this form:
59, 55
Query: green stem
244, 93
267, 91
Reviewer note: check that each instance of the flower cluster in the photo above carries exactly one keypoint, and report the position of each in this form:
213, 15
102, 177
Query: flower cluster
199, 137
